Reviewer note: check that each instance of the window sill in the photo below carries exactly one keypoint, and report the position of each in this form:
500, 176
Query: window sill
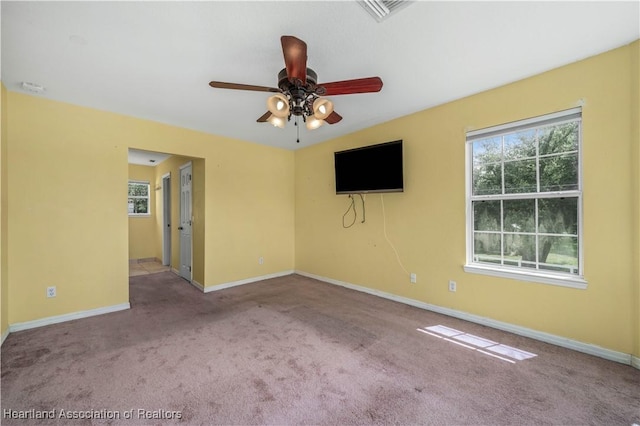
537, 277
140, 215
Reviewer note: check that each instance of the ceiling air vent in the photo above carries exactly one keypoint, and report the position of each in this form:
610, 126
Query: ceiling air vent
32, 87
382, 9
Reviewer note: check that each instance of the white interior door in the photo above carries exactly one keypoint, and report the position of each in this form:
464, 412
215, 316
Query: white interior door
185, 221
166, 219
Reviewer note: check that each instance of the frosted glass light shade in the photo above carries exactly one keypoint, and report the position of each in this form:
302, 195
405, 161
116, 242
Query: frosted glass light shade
322, 108
278, 105
276, 121
314, 123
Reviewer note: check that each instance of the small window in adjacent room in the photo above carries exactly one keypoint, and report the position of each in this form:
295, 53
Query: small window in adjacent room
524, 200
139, 204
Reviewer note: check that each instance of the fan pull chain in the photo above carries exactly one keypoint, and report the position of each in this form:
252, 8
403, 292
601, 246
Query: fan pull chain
297, 130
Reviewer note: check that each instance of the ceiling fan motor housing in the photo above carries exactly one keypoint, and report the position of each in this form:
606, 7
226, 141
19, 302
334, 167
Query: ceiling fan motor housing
301, 94
284, 83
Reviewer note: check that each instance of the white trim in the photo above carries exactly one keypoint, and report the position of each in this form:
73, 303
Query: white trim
147, 197
67, 317
197, 285
541, 120
4, 336
217, 287
526, 274
166, 218
189, 165
564, 342
536, 277
635, 361
175, 271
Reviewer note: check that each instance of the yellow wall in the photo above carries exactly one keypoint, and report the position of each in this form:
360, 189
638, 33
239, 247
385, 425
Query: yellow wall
426, 223
142, 229
250, 202
198, 226
635, 159
68, 224
67, 217
4, 273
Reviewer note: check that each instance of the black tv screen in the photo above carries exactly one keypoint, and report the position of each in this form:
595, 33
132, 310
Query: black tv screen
374, 168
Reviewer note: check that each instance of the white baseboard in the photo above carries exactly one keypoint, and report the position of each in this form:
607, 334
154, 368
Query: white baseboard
635, 361
145, 259
67, 317
515, 329
197, 285
246, 281
4, 336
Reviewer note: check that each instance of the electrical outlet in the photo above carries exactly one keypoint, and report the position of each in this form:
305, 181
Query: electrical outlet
51, 291
414, 278
452, 286
261, 260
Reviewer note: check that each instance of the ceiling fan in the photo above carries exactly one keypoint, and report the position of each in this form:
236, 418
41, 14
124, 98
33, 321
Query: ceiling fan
298, 93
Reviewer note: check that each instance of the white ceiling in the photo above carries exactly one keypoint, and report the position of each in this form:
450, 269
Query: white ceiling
146, 158
154, 60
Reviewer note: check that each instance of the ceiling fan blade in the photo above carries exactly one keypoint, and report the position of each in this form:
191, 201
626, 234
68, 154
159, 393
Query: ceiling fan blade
295, 58
333, 118
348, 87
223, 85
264, 117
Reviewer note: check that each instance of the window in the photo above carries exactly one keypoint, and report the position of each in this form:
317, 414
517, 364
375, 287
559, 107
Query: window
139, 204
524, 200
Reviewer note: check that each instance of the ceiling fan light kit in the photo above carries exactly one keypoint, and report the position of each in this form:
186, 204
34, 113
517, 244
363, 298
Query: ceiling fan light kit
298, 93
278, 105
322, 108
314, 123
277, 121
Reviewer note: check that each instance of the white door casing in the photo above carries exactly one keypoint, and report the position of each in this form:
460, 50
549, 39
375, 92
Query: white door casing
166, 219
185, 221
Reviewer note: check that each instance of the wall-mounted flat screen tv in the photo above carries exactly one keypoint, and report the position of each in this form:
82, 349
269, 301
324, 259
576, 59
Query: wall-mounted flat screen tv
374, 168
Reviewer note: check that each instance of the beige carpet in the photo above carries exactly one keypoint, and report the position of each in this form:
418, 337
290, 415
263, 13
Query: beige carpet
293, 350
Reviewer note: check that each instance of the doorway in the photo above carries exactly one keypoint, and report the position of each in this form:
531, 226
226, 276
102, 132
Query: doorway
176, 201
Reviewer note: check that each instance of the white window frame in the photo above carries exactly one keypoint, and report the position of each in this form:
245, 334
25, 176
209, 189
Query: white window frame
525, 274
147, 197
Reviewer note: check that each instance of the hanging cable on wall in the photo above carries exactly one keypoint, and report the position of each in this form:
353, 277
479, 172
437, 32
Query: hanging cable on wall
384, 228
352, 206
